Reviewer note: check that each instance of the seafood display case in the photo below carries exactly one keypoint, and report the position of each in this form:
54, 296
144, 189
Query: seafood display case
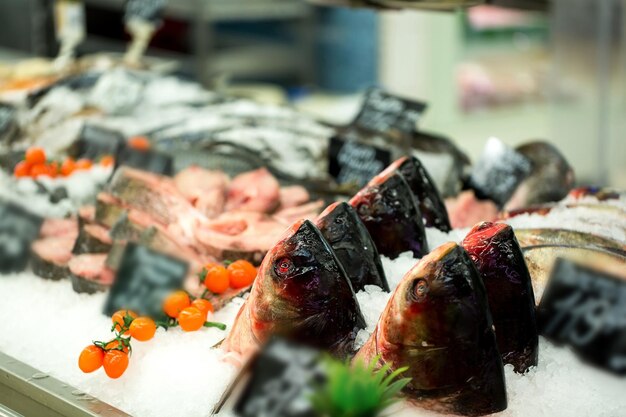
167, 250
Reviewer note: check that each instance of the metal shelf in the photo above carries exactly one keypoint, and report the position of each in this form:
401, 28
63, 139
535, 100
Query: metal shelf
255, 59
26, 391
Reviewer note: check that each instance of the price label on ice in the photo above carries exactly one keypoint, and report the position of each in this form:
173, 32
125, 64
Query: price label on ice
382, 112
281, 382
145, 277
586, 309
147, 10
499, 172
352, 161
95, 141
18, 229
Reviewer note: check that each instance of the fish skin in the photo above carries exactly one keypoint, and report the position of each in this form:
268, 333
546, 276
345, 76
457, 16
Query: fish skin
540, 261
541, 237
429, 200
438, 324
301, 293
353, 245
500, 261
389, 210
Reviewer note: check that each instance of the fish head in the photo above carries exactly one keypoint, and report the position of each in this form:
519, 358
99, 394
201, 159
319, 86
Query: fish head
386, 194
335, 221
424, 309
495, 251
438, 324
301, 282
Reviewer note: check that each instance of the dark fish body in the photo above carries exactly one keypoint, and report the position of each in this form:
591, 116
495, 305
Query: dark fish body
301, 293
438, 324
499, 259
388, 208
540, 237
540, 261
431, 205
353, 245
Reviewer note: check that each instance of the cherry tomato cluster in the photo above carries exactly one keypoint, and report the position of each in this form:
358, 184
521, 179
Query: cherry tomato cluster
218, 278
190, 315
36, 164
113, 355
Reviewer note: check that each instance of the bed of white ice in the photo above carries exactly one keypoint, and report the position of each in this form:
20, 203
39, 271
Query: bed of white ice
46, 325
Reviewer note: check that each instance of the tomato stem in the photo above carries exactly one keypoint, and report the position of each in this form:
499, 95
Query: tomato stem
220, 326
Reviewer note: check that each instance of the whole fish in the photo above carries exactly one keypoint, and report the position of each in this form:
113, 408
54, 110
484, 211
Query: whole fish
389, 210
540, 261
499, 259
353, 245
438, 324
539, 237
431, 205
301, 293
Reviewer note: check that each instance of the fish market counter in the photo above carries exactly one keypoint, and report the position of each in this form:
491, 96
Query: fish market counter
47, 325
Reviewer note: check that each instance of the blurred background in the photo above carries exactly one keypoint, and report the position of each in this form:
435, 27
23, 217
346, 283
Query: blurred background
557, 73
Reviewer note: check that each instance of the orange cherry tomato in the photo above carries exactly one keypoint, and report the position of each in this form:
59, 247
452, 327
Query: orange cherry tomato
35, 156
115, 363
175, 303
90, 359
241, 273
107, 161
118, 319
67, 167
53, 169
204, 306
140, 143
22, 169
39, 170
116, 344
142, 329
83, 164
191, 319
216, 278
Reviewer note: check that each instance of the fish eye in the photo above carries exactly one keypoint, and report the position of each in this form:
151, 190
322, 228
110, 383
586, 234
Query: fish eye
363, 209
393, 193
420, 289
283, 267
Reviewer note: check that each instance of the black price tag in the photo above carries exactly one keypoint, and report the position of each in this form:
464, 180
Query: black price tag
18, 229
283, 376
147, 10
382, 112
146, 160
498, 172
352, 161
586, 309
94, 142
145, 277
8, 124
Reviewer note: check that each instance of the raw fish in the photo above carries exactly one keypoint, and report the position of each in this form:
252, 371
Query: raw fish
389, 210
354, 247
499, 259
438, 324
429, 201
301, 293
